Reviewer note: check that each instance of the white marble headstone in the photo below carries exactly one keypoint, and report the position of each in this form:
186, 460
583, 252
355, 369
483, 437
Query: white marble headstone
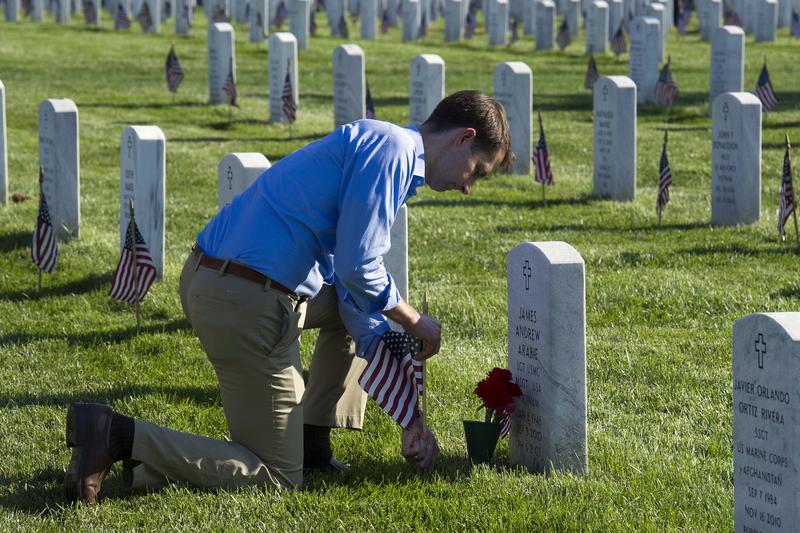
710, 17
59, 157
571, 10
221, 59
547, 357
37, 10
644, 31
12, 10
258, 23
349, 90
766, 20
657, 11
614, 16
184, 16
453, 22
597, 28
396, 259
3, 148
513, 88
784, 13
154, 6
63, 13
615, 138
426, 86
736, 159
282, 54
299, 21
766, 352
545, 22
529, 9
142, 164
236, 172
412, 18
727, 61
370, 11
497, 18
335, 12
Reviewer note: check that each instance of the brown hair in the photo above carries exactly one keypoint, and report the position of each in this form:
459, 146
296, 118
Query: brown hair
475, 109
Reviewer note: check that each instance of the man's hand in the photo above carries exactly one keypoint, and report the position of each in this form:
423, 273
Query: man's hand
419, 446
425, 328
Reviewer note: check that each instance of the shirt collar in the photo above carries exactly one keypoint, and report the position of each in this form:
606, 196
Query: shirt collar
418, 178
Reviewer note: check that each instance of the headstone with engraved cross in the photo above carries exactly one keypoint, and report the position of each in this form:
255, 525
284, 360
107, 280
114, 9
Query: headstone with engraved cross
513, 87
615, 138
426, 86
142, 177
221, 60
766, 443
547, 356
236, 172
736, 159
59, 157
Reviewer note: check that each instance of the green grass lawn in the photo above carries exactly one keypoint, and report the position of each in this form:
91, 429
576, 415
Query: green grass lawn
661, 303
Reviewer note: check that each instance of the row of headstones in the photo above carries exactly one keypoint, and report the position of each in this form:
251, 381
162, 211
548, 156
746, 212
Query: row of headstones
547, 356
142, 179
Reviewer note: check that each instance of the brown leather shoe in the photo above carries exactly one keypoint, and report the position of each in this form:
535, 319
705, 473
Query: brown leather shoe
88, 431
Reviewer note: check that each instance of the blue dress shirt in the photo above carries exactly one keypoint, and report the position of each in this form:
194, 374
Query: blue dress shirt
326, 209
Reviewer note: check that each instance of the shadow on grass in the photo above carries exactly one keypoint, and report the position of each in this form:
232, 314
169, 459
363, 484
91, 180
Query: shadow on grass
474, 202
282, 138
739, 249
41, 494
14, 241
142, 105
203, 396
80, 286
95, 338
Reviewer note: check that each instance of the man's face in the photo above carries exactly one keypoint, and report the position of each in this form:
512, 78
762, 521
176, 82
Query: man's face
460, 167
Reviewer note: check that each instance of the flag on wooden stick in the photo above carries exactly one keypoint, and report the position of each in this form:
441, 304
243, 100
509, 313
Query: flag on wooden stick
591, 74
764, 90
563, 38
287, 97
541, 159
230, 86
44, 251
135, 271
666, 88
370, 107
618, 43
664, 180
144, 18
121, 21
788, 203
173, 71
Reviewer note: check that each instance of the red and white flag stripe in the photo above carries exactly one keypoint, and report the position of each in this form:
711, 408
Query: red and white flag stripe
393, 383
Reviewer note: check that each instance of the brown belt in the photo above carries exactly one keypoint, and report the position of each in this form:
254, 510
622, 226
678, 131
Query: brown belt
241, 271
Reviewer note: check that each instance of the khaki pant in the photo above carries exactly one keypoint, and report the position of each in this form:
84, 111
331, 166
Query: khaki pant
251, 336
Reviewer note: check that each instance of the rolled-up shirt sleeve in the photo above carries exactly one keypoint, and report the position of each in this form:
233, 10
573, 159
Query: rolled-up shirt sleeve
377, 172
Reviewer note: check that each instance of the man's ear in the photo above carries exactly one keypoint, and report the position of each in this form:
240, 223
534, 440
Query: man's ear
465, 135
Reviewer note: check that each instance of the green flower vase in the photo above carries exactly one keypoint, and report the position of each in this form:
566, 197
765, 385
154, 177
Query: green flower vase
482, 439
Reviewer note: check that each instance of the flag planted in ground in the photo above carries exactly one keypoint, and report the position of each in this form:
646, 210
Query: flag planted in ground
44, 251
144, 18
732, 18
684, 18
281, 13
343, 29
289, 105
385, 23
121, 21
471, 23
618, 43
795, 26
664, 178
514, 27
787, 204
764, 90
394, 379
173, 71
370, 107
591, 74
89, 12
541, 159
230, 87
563, 38
133, 278
666, 88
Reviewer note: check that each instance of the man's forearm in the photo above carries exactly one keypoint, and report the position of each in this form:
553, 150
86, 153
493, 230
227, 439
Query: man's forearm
403, 314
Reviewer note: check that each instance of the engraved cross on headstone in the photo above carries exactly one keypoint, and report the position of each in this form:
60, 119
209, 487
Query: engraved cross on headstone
605, 92
761, 349
230, 178
526, 273
130, 145
725, 111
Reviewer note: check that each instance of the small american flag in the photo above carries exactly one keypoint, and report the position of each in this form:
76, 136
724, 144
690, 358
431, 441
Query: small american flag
230, 87
144, 17
788, 203
732, 18
591, 74
385, 23
472, 22
764, 90
684, 19
173, 71
505, 425
121, 21
27, 7
342, 27
123, 287
166, 10
666, 88
618, 43
394, 379
795, 27
44, 251
187, 14
423, 26
370, 107
89, 12
289, 105
541, 159
563, 38
280, 14
664, 179
514, 26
